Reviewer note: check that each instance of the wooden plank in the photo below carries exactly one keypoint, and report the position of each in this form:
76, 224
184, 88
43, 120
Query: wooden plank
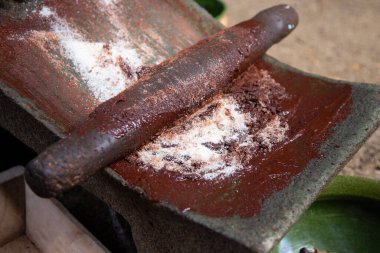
11, 173
20, 245
12, 205
53, 229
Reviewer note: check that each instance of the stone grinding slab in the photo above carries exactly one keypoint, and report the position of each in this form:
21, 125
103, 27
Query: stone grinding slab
252, 210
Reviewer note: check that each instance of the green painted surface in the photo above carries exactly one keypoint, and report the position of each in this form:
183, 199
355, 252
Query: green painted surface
345, 219
346, 187
215, 7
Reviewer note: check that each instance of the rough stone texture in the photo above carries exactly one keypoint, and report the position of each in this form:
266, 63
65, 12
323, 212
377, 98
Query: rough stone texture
23, 125
280, 211
337, 39
155, 228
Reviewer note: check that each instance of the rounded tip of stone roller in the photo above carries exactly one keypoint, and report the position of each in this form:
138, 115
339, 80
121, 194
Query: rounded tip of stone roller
36, 179
279, 21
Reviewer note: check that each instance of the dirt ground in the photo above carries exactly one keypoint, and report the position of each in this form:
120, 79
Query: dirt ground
338, 39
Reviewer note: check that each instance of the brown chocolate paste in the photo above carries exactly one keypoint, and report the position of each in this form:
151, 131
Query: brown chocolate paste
314, 107
175, 87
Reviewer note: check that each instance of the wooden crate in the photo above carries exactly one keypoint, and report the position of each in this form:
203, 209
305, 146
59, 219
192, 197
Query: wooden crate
29, 223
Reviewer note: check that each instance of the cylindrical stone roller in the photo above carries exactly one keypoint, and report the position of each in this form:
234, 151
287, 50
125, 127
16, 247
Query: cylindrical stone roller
124, 123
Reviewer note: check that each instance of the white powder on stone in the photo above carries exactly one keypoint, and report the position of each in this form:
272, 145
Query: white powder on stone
199, 147
100, 64
108, 2
46, 12
180, 150
274, 132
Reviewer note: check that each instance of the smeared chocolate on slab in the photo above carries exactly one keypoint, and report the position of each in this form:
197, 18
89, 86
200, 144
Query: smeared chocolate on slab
219, 139
172, 89
309, 107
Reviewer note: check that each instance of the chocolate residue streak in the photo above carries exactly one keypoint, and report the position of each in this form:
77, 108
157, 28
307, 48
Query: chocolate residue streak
218, 139
178, 85
36, 63
312, 107
38, 71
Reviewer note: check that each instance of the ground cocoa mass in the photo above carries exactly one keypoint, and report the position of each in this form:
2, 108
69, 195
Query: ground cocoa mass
220, 138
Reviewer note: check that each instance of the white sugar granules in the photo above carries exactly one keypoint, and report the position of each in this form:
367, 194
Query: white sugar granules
107, 68
46, 12
207, 145
199, 147
108, 2
272, 133
189, 150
